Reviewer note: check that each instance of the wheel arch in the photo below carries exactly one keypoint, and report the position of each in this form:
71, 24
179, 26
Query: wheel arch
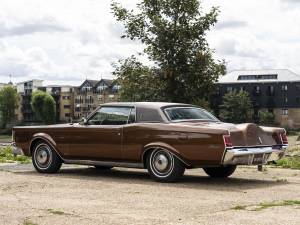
46, 138
152, 146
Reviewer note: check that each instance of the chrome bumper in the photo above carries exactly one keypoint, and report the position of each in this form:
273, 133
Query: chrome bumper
16, 150
253, 155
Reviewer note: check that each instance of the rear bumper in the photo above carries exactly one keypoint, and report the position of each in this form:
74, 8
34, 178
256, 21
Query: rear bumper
253, 155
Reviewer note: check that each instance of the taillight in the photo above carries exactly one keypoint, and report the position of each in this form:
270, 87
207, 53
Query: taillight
227, 141
284, 138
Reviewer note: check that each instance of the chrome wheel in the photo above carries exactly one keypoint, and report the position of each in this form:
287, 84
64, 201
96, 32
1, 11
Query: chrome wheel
162, 163
43, 156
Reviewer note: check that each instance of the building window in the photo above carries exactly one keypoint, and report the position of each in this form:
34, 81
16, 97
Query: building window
229, 89
100, 97
243, 88
258, 77
256, 90
286, 99
284, 87
67, 106
285, 112
270, 90
66, 97
67, 114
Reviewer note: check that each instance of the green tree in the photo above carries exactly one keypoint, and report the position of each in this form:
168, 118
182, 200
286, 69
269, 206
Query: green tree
174, 35
266, 118
138, 82
236, 107
8, 104
43, 106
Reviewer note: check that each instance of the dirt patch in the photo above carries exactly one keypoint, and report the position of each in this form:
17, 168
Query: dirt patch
83, 195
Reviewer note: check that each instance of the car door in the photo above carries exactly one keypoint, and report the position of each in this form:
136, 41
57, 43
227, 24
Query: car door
100, 138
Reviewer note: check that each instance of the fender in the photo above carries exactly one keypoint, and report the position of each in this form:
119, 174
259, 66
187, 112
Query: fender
45, 137
165, 146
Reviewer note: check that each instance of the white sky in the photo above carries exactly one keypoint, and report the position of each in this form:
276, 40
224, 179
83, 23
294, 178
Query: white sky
65, 41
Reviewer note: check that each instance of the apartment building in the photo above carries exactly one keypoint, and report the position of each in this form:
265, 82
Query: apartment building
64, 99
25, 90
276, 91
92, 93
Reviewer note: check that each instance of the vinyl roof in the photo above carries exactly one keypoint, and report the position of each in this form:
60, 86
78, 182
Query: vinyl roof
259, 76
145, 104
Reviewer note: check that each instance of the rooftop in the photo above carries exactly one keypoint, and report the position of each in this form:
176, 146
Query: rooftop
146, 104
259, 76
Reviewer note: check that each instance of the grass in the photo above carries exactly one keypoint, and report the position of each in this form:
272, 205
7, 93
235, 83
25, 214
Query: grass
6, 156
56, 212
28, 222
266, 205
291, 162
239, 207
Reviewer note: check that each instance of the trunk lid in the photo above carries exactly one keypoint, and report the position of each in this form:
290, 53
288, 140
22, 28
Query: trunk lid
247, 134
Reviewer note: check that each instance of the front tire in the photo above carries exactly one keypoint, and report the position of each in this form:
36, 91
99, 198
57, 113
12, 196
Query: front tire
45, 159
163, 166
220, 172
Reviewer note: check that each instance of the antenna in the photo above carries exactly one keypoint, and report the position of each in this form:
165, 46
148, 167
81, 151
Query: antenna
10, 78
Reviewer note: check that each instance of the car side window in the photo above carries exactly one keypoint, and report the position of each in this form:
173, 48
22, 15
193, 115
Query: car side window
110, 116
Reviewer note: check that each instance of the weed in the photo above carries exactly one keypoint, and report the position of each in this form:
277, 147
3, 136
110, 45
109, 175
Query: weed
56, 212
239, 207
292, 162
6, 156
28, 222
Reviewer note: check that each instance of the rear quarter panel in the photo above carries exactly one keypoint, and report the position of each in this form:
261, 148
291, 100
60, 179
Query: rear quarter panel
196, 146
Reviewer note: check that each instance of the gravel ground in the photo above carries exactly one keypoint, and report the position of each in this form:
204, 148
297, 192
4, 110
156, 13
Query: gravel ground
83, 195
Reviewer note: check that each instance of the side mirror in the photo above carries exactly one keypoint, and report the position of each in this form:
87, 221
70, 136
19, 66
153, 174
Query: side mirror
84, 121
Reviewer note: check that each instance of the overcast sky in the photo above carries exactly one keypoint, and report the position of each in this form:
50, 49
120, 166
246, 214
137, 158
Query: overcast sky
65, 41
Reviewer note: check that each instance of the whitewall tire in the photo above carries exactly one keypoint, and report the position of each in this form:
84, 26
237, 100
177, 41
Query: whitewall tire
163, 166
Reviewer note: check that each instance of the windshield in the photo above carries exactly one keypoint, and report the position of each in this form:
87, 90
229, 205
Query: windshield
188, 113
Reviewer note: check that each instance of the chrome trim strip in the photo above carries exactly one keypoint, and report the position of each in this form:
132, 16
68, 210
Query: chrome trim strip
104, 163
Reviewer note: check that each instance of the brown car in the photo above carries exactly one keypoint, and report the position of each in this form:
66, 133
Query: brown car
165, 138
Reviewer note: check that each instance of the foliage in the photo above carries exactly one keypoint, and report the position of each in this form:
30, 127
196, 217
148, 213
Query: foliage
236, 107
174, 35
266, 118
266, 205
8, 104
201, 102
292, 162
44, 106
6, 156
138, 82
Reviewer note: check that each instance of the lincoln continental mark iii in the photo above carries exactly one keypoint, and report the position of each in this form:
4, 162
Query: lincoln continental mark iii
164, 138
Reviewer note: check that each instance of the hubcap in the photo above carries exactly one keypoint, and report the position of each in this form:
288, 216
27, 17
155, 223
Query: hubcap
161, 162
43, 156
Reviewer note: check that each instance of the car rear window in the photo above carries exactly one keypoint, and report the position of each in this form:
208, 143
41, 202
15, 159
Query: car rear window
188, 113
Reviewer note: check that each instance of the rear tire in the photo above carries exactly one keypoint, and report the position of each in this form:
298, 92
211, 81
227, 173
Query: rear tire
45, 159
163, 166
220, 172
